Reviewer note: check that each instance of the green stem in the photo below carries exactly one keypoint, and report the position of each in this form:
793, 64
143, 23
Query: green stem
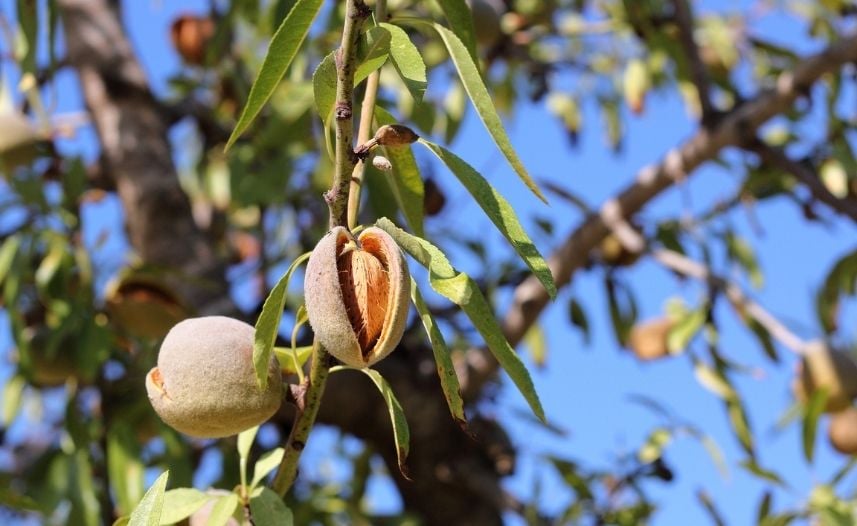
367, 113
307, 409
346, 63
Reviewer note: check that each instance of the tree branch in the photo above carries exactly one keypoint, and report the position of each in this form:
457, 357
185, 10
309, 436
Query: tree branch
735, 128
698, 72
136, 153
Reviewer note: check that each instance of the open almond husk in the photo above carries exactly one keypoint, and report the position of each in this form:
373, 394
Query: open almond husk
357, 295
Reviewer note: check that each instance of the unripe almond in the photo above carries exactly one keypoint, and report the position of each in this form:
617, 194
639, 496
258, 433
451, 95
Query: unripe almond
357, 295
648, 340
842, 431
824, 368
205, 385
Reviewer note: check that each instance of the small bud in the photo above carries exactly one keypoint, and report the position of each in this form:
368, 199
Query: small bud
395, 135
382, 163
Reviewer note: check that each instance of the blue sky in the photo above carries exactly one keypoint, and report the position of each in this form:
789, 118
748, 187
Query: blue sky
585, 389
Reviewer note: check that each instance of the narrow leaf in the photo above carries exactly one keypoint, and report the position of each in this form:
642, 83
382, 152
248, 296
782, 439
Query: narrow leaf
401, 434
13, 392
499, 211
148, 512
267, 508
405, 179
268, 323
812, 412
282, 50
460, 20
245, 441
266, 464
445, 369
407, 60
222, 510
536, 342
372, 52
461, 290
482, 101
125, 468
180, 504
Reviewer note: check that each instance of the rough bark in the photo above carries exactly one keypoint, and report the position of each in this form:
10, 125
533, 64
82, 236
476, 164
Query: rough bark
136, 154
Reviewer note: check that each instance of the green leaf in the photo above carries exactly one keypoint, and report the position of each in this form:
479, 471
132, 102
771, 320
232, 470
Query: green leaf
372, 52
765, 474
180, 504
407, 60
461, 290
401, 434
445, 369
499, 211
460, 20
286, 358
685, 329
245, 441
268, 509
7, 255
28, 22
124, 467
654, 446
148, 512
741, 252
85, 507
405, 179
812, 412
222, 510
13, 391
577, 316
324, 86
483, 102
268, 324
266, 464
535, 341
282, 50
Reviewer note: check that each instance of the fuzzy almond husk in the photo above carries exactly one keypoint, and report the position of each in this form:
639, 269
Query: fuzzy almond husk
648, 340
357, 295
205, 385
825, 368
842, 431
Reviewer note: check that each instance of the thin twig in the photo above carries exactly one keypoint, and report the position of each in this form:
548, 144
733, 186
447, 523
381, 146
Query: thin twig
740, 301
698, 72
367, 113
777, 158
530, 298
346, 64
308, 401
308, 394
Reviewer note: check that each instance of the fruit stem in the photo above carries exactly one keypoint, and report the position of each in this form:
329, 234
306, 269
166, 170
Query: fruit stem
356, 12
367, 113
306, 411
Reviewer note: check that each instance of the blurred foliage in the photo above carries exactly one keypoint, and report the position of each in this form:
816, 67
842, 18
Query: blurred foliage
79, 439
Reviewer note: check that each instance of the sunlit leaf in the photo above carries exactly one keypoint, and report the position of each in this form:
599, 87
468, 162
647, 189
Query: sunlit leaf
407, 60
461, 290
401, 433
222, 510
281, 51
443, 360
499, 211
461, 22
482, 101
268, 324
286, 358
148, 512
124, 466
654, 446
180, 504
266, 464
536, 344
405, 179
245, 441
